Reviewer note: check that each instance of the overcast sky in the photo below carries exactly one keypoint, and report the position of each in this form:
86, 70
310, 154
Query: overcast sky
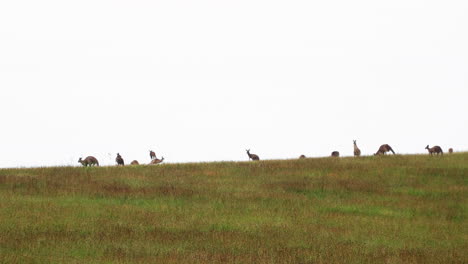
204, 80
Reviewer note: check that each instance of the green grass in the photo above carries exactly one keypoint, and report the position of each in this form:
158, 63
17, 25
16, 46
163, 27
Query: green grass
393, 209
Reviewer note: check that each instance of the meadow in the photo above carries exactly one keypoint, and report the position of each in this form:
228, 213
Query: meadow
389, 209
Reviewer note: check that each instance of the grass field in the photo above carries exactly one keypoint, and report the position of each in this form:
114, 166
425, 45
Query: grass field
392, 209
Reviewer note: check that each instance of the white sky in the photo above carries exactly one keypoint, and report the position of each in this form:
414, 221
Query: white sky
204, 80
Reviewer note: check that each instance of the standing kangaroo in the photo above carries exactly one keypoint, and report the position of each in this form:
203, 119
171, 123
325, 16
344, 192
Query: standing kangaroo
335, 154
435, 149
152, 155
384, 149
252, 156
156, 161
119, 160
357, 151
89, 161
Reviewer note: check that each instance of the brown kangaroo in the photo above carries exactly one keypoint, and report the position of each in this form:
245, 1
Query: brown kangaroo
119, 160
435, 149
384, 149
357, 151
450, 150
135, 162
152, 155
302, 157
156, 161
335, 154
252, 156
89, 161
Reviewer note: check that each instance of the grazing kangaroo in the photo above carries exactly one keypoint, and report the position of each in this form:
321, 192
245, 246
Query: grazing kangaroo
135, 162
119, 160
435, 149
450, 150
252, 156
156, 161
152, 155
89, 161
302, 157
384, 149
335, 154
357, 151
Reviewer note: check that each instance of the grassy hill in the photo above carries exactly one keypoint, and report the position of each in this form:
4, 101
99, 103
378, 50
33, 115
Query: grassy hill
393, 209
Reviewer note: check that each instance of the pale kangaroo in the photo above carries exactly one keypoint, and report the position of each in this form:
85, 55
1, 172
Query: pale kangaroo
384, 149
156, 161
357, 151
89, 161
152, 155
335, 154
135, 162
435, 149
450, 150
252, 156
119, 160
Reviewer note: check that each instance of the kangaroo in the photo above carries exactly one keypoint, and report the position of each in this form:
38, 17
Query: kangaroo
302, 157
252, 156
152, 155
135, 162
89, 161
384, 149
335, 154
119, 160
357, 151
450, 150
156, 161
435, 149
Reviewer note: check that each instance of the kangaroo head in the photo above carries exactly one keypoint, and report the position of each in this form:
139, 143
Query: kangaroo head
427, 147
79, 160
354, 141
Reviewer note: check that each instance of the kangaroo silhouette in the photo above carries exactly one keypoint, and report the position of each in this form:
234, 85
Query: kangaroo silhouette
119, 160
89, 161
156, 161
384, 149
252, 156
152, 155
435, 149
357, 151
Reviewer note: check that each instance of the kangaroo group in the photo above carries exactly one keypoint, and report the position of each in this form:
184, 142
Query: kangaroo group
92, 161
383, 149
